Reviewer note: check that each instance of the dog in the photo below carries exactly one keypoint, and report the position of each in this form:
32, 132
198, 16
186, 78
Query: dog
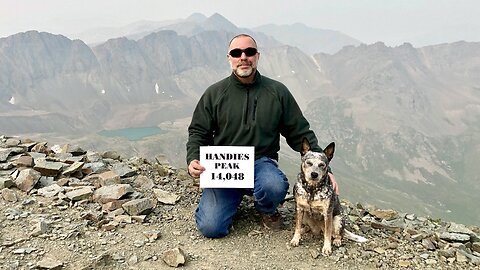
317, 204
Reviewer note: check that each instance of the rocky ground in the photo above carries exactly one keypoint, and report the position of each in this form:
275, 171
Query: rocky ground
66, 208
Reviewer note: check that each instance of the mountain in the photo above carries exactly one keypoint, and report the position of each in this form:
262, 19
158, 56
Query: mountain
70, 207
308, 39
405, 119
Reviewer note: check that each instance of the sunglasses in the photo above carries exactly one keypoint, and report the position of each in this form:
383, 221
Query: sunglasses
236, 53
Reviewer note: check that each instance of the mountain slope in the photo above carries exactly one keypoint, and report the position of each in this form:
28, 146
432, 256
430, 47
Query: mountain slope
309, 40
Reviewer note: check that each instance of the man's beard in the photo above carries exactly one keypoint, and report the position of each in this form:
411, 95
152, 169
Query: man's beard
243, 73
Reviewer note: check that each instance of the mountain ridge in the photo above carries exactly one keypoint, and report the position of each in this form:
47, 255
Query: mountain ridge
405, 119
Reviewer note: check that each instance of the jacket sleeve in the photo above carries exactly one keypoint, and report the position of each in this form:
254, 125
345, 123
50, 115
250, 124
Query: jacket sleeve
295, 126
200, 131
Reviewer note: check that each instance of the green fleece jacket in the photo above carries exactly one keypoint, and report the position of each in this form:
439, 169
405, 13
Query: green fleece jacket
231, 113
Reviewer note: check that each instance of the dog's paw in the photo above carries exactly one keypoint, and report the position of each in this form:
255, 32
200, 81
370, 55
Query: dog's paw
337, 242
295, 241
327, 249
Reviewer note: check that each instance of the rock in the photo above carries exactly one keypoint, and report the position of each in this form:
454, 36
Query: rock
143, 182
165, 197
109, 178
460, 228
152, 235
27, 179
9, 195
384, 214
476, 247
6, 181
122, 219
111, 154
73, 149
385, 226
40, 147
123, 170
113, 205
174, 257
45, 181
75, 167
24, 161
447, 253
113, 192
162, 159
139, 206
133, 260
49, 263
39, 228
428, 244
4, 154
80, 194
454, 237
48, 168
50, 191
12, 142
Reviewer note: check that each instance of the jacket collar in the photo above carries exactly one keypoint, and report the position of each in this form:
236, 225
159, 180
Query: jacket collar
237, 82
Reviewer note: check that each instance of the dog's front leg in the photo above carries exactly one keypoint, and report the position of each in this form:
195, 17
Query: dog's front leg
298, 227
327, 234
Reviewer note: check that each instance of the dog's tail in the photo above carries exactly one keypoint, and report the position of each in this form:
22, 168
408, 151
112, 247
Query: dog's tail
357, 238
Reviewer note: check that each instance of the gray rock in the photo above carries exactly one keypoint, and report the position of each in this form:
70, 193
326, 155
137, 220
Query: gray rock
49, 263
27, 179
48, 168
454, 237
80, 194
39, 228
50, 191
139, 206
6, 181
109, 178
75, 167
143, 182
9, 195
113, 192
165, 197
174, 257
123, 170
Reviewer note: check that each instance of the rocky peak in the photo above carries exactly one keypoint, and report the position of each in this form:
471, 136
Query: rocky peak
58, 200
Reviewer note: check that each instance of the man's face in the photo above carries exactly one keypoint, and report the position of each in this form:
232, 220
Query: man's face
243, 66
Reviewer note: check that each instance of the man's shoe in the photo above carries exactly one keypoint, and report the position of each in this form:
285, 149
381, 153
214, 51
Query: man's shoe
273, 222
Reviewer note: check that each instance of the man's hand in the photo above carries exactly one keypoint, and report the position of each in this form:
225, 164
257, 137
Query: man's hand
334, 183
195, 169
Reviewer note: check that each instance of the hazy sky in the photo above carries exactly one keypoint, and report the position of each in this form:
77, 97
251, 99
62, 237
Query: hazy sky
420, 22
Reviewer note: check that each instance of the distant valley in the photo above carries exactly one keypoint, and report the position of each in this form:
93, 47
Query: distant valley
406, 120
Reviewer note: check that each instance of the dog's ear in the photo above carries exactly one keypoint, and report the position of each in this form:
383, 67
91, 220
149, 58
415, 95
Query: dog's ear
329, 150
305, 146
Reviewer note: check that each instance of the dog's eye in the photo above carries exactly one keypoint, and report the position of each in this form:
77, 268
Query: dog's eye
309, 163
322, 165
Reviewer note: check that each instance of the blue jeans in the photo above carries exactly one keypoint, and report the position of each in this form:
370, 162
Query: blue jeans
218, 206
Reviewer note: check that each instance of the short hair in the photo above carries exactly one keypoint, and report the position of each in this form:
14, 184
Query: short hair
242, 35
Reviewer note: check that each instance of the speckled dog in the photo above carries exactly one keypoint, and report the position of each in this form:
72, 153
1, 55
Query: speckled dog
317, 205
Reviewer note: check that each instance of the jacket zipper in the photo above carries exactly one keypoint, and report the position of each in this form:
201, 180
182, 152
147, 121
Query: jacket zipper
254, 108
246, 107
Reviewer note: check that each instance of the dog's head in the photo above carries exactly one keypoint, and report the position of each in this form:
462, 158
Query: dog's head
315, 164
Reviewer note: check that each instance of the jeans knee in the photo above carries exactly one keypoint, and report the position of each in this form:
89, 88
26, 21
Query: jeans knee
276, 188
211, 230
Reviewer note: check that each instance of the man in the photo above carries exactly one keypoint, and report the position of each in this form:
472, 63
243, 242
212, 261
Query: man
245, 109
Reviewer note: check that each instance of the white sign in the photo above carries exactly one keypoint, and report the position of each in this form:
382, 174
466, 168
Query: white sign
227, 166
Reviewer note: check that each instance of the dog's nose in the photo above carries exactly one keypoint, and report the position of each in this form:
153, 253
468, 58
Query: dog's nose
314, 175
